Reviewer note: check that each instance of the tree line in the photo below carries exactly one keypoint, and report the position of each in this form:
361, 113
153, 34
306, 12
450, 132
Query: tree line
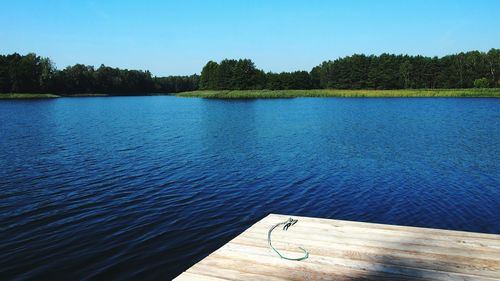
387, 71
34, 74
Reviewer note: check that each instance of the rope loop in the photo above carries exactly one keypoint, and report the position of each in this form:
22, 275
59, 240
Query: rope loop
286, 224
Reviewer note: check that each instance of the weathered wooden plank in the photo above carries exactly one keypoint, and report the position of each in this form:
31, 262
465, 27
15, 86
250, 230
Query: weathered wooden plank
188, 276
364, 233
270, 268
401, 244
486, 240
368, 226
317, 264
471, 266
233, 270
343, 250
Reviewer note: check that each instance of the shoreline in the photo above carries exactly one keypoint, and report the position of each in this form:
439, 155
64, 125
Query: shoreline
287, 94
21, 96
26, 96
276, 94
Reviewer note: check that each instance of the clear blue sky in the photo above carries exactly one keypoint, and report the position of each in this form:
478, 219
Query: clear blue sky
179, 37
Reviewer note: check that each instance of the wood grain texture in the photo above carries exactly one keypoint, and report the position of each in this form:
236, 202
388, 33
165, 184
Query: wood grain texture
345, 250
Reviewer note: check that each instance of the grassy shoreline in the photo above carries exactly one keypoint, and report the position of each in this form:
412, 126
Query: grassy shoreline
268, 94
85, 95
277, 94
27, 96
50, 96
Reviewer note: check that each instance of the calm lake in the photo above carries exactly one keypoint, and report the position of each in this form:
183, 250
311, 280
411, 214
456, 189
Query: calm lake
144, 187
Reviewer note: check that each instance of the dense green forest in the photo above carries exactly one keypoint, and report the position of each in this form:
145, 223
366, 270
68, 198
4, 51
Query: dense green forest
463, 70
34, 74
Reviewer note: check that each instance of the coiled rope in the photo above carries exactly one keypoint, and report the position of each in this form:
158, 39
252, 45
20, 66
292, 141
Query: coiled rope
286, 224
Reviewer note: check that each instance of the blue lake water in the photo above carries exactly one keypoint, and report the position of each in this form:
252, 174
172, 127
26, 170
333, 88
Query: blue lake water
144, 187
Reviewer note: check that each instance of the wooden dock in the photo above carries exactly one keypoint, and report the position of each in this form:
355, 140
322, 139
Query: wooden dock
345, 250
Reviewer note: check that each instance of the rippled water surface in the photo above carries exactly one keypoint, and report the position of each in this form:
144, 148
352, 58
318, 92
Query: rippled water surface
144, 187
